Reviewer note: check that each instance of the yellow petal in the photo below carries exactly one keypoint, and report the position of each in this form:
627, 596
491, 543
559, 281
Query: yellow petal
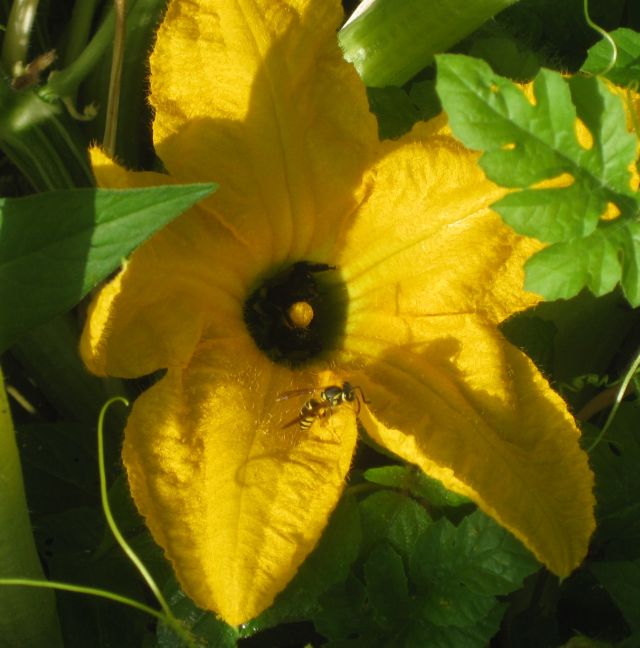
236, 501
452, 396
426, 220
186, 279
255, 94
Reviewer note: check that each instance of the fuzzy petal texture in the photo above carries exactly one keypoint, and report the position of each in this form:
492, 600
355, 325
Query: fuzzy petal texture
432, 225
236, 501
153, 314
427, 287
259, 90
450, 395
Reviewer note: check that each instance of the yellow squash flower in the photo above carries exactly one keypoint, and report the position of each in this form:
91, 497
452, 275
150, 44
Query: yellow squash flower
325, 257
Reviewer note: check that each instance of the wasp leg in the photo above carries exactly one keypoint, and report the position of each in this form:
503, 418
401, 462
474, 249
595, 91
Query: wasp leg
364, 398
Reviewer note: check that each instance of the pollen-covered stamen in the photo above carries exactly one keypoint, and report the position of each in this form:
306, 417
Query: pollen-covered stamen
300, 314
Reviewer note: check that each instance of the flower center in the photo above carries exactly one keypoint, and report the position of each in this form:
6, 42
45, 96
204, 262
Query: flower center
298, 313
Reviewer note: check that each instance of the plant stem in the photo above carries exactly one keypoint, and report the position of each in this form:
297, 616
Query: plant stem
81, 589
65, 82
167, 615
391, 41
111, 125
605, 35
28, 617
622, 390
18, 33
79, 28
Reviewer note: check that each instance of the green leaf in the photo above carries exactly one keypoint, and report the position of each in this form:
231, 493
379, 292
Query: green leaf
525, 144
425, 98
390, 41
578, 349
342, 610
422, 633
630, 642
615, 462
62, 456
204, 626
506, 56
535, 335
587, 610
622, 582
394, 110
627, 66
56, 247
70, 539
557, 31
459, 570
387, 586
49, 356
417, 483
564, 269
389, 517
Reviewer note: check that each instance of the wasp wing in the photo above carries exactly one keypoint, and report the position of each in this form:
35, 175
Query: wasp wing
295, 392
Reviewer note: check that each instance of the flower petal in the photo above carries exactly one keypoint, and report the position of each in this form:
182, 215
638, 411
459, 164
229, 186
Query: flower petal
427, 220
181, 282
236, 501
452, 396
255, 95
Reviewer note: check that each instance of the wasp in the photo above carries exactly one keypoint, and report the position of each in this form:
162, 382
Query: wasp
322, 407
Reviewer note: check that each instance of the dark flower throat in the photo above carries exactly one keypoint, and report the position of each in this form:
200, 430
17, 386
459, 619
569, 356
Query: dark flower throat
267, 313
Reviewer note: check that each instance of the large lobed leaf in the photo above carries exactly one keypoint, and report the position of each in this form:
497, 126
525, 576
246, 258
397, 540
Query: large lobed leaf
572, 137
55, 247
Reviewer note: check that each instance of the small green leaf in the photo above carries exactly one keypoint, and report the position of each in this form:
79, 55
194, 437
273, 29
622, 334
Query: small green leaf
627, 66
387, 586
342, 610
394, 110
535, 335
60, 452
506, 56
425, 98
392, 518
615, 462
417, 483
69, 540
578, 349
562, 270
422, 633
205, 627
459, 570
622, 581
526, 143
56, 247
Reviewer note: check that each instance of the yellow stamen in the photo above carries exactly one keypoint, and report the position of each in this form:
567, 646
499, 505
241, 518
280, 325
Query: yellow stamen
300, 314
